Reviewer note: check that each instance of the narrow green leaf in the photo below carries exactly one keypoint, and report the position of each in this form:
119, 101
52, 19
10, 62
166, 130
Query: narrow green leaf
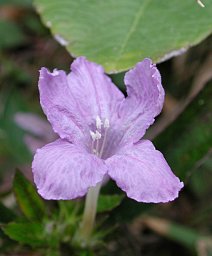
108, 202
179, 233
29, 201
184, 235
6, 215
118, 34
26, 233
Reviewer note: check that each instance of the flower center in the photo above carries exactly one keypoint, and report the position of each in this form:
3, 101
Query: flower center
99, 136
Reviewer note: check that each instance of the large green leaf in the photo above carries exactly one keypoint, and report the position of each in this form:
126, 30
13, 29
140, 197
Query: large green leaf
118, 34
29, 201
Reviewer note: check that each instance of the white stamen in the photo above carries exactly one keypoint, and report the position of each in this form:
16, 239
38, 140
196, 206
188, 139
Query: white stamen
98, 123
93, 135
106, 123
98, 135
98, 146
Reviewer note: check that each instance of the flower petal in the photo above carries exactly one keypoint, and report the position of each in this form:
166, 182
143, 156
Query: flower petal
72, 102
65, 171
97, 95
59, 106
144, 102
143, 173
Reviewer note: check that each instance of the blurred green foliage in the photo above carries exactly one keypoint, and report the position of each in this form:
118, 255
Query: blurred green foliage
14, 38
188, 139
24, 3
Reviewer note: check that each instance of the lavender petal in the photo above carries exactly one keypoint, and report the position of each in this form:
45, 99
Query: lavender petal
64, 171
143, 173
144, 102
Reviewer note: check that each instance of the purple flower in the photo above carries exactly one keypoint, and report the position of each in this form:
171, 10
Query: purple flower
100, 133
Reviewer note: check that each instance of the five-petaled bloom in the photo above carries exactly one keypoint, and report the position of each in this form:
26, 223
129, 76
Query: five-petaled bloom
100, 132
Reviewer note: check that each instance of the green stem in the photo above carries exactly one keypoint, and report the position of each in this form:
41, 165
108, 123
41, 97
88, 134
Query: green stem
89, 215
